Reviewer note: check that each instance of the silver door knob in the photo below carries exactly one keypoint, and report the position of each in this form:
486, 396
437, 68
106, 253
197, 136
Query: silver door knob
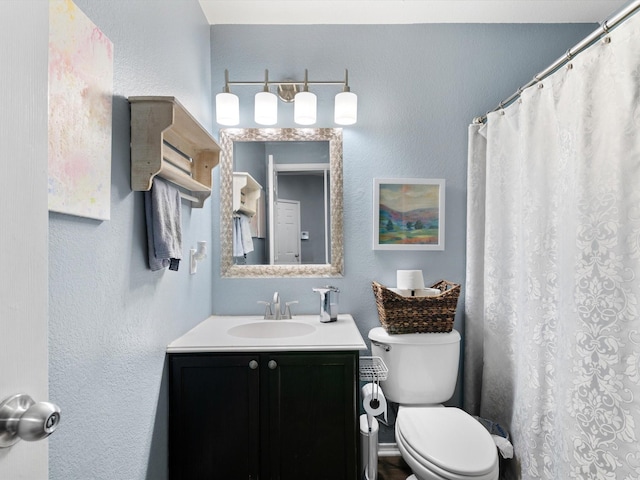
272, 364
253, 364
21, 418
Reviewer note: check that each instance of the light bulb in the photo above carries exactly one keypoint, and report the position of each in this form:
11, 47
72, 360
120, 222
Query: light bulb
266, 108
304, 108
346, 108
227, 109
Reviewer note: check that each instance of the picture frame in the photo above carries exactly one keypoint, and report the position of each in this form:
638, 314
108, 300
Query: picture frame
408, 214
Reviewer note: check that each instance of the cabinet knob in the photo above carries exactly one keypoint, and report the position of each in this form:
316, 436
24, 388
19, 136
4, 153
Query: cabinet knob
272, 364
253, 364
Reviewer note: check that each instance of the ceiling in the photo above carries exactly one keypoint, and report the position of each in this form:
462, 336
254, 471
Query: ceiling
307, 12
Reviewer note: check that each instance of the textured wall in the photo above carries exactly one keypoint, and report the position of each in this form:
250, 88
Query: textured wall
110, 316
418, 87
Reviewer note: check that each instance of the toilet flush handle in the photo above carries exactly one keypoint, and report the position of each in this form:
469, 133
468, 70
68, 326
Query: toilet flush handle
383, 346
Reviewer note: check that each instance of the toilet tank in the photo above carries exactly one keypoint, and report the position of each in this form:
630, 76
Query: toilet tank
423, 367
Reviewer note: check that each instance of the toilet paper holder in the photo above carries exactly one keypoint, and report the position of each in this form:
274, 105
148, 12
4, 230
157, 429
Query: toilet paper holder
372, 369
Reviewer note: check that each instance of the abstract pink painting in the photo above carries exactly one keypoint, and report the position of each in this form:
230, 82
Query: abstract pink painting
80, 112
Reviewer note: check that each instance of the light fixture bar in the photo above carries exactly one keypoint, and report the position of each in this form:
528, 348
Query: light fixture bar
287, 81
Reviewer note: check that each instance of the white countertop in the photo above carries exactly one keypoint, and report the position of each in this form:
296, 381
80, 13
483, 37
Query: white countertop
212, 335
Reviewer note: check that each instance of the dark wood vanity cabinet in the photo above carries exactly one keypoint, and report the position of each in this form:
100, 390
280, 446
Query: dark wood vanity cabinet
263, 416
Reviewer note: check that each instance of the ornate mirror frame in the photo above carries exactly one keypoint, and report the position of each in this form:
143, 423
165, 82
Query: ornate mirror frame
227, 138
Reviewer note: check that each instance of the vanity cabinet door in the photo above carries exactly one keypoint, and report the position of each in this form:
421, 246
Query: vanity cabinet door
312, 416
214, 417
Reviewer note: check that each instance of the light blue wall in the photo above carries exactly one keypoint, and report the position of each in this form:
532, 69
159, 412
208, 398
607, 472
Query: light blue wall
110, 316
418, 86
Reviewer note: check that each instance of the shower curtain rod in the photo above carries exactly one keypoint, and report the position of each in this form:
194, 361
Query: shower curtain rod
603, 30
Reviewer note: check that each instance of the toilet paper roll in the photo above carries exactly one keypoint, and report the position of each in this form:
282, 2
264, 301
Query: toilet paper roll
420, 292
373, 400
426, 292
409, 279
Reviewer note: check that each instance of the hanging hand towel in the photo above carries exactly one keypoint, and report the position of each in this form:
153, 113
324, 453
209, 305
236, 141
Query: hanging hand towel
247, 241
164, 229
242, 241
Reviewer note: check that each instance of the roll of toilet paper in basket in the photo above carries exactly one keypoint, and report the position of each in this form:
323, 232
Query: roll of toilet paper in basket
373, 400
409, 279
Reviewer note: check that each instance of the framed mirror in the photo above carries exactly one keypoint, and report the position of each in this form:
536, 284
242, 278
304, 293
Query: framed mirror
268, 176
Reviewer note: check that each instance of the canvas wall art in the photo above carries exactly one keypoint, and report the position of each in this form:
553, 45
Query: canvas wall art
408, 214
80, 112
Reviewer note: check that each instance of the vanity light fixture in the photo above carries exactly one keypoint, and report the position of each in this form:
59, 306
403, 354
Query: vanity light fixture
266, 105
305, 105
346, 108
305, 102
227, 105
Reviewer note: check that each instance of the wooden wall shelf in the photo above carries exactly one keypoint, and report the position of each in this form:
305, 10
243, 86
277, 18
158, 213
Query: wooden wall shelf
246, 192
167, 141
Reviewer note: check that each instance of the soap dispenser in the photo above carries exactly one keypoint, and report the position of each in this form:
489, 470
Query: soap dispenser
328, 303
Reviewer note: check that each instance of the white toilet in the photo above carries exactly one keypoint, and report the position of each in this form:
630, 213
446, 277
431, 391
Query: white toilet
437, 442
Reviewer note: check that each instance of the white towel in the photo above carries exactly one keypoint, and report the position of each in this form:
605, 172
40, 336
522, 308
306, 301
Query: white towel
164, 229
238, 251
242, 241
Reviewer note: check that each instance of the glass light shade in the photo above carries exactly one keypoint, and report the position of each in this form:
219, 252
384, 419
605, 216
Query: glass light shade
346, 108
266, 108
227, 109
304, 108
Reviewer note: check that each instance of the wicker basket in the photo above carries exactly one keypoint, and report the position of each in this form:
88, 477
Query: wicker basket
400, 314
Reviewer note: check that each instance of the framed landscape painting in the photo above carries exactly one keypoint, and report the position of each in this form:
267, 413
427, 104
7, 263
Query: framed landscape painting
408, 214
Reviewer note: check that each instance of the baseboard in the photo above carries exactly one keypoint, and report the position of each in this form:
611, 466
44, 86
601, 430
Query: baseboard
388, 450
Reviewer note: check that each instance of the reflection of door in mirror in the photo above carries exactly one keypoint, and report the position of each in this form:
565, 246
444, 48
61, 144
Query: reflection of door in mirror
296, 171
310, 186
287, 232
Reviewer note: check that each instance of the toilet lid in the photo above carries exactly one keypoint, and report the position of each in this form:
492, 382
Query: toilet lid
448, 438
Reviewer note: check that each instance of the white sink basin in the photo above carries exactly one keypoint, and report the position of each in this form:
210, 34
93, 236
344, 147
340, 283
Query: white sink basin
272, 329
252, 333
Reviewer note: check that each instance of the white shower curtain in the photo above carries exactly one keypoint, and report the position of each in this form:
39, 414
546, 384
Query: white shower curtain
553, 268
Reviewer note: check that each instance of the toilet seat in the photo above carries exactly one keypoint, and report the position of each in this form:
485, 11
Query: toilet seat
446, 442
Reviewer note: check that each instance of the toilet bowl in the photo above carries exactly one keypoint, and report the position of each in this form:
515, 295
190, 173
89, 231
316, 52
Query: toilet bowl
445, 443
437, 442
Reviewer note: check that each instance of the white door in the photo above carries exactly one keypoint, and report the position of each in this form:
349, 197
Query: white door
287, 232
24, 221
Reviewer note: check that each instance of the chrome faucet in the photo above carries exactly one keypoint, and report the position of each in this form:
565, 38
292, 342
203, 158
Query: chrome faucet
328, 303
276, 306
273, 310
